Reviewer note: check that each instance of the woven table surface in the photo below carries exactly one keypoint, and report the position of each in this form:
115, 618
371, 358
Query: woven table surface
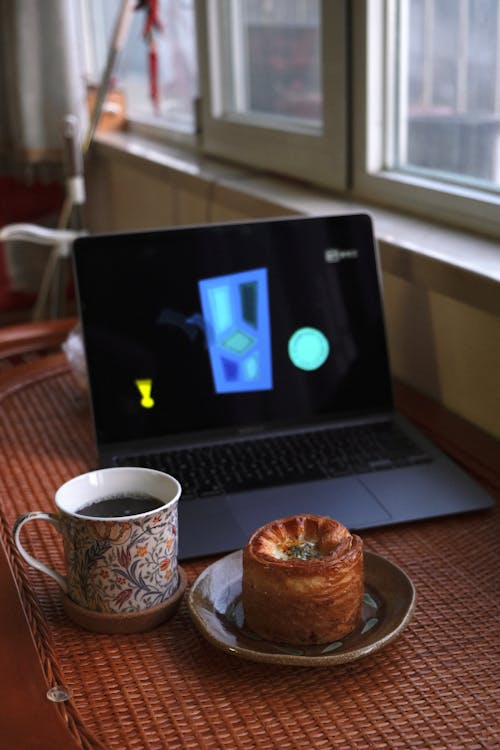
436, 686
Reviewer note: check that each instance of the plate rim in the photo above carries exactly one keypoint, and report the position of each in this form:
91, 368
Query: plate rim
284, 658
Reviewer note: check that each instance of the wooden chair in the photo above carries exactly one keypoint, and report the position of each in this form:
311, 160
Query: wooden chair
25, 342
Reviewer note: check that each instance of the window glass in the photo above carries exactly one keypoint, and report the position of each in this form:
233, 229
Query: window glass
448, 118
271, 58
168, 47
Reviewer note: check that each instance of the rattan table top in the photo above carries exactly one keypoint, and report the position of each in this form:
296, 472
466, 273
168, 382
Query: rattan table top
436, 686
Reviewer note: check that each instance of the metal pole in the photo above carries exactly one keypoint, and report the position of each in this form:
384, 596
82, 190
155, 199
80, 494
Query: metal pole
117, 44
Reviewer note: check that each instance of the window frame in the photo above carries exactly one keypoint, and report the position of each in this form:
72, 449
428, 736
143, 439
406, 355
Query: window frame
306, 156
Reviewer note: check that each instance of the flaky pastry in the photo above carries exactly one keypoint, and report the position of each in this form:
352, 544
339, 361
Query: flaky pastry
303, 580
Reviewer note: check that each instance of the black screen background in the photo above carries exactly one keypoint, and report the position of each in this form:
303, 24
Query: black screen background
125, 281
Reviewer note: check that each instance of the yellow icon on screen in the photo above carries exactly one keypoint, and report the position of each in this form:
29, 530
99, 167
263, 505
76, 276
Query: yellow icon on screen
144, 387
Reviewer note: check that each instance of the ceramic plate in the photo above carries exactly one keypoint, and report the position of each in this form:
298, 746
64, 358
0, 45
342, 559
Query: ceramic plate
216, 609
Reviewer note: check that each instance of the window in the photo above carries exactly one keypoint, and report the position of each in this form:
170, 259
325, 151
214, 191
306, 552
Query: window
273, 81
448, 71
392, 101
428, 102
174, 42
271, 58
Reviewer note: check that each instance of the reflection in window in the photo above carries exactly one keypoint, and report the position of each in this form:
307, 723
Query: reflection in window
271, 55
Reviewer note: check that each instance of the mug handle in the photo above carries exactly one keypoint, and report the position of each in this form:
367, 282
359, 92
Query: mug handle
38, 516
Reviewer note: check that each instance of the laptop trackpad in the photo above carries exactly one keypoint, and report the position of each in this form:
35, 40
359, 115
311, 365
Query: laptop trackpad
344, 499
223, 524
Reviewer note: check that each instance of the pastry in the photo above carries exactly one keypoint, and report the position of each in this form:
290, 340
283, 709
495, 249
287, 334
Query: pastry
303, 580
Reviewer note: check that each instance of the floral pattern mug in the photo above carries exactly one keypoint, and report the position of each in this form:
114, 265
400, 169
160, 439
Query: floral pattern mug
118, 565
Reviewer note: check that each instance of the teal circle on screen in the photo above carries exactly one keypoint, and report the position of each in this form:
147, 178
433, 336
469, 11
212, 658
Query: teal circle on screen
308, 348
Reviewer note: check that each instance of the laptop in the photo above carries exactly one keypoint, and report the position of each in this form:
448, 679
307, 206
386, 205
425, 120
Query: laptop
249, 360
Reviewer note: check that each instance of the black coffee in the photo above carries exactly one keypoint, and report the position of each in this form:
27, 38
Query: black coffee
118, 506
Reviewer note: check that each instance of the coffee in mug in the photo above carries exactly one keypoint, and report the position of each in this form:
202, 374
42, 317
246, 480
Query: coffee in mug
119, 506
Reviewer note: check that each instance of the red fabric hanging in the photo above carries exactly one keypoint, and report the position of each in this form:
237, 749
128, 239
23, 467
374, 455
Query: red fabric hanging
152, 24
153, 76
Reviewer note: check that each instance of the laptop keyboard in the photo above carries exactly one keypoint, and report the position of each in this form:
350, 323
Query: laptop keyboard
272, 461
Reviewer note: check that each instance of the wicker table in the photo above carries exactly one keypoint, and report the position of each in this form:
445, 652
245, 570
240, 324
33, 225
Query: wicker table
436, 686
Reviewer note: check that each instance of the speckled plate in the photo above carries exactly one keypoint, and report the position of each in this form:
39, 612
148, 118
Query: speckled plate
216, 609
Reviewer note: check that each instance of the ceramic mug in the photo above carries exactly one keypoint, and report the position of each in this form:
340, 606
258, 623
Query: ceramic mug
119, 564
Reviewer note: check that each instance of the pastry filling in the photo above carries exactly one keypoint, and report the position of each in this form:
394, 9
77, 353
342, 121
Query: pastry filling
303, 551
295, 549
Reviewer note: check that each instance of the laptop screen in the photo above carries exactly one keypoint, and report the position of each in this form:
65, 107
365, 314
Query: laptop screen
232, 327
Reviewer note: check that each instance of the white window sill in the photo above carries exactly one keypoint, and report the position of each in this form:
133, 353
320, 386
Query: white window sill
461, 265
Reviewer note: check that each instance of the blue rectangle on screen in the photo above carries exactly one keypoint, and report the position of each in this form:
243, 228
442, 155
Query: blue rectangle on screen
235, 309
